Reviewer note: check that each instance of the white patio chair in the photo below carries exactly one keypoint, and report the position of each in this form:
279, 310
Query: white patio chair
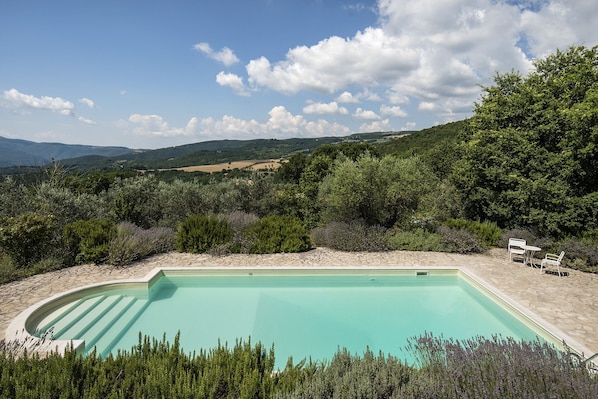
554, 260
516, 248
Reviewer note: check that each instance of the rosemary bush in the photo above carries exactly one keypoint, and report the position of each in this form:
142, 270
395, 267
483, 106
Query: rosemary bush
200, 233
88, 240
274, 234
416, 240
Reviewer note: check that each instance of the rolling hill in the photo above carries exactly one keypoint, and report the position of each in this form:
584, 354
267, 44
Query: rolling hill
15, 152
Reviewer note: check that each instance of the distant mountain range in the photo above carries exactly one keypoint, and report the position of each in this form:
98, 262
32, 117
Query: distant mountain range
15, 152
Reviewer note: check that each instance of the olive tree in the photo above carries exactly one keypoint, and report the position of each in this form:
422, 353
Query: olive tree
378, 191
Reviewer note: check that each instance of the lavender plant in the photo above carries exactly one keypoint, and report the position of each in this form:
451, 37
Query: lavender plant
133, 243
499, 368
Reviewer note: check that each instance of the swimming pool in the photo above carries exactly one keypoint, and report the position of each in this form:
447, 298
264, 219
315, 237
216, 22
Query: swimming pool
304, 313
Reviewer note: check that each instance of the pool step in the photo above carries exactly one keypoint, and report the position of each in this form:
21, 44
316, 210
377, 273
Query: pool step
106, 341
87, 319
68, 318
96, 331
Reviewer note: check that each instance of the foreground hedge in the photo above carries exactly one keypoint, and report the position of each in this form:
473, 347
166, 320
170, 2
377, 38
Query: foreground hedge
477, 368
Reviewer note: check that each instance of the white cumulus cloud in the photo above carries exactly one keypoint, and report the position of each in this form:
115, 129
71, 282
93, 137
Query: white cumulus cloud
394, 111
365, 114
347, 97
155, 125
225, 55
233, 81
377, 126
325, 108
334, 63
17, 99
56, 104
87, 102
279, 123
430, 52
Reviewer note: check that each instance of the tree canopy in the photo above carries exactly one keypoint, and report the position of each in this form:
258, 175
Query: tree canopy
529, 154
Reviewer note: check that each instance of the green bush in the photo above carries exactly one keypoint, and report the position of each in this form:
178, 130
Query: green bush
274, 234
200, 233
353, 376
152, 369
88, 240
133, 243
415, 240
27, 238
488, 233
459, 241
353, 236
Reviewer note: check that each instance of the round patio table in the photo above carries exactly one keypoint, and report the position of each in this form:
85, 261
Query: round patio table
530, 250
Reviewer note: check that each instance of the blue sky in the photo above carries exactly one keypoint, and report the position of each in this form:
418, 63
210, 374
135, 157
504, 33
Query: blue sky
153, 74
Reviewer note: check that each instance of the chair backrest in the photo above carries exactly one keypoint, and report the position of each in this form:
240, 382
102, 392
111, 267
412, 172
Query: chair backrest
562, 254
516, 242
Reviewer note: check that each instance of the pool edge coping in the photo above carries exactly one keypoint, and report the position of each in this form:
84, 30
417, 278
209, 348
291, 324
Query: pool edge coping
18, 327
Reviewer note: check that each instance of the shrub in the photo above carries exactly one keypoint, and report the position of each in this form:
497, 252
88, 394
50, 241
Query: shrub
133, 243
88, 240
240, 243
488, 233
352, 376
415, 240
274, 234
27, 238
200, 233
151, 369
497, 368
459, 240
353, 236
579, 254
475, 368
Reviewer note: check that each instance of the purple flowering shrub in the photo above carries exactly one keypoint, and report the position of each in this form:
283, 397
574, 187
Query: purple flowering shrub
352, 237
497, 368
133, 243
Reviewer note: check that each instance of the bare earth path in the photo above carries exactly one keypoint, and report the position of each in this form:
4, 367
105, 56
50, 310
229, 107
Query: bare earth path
569, 303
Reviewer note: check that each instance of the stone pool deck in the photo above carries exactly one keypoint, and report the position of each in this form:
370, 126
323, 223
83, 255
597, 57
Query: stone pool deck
569, 303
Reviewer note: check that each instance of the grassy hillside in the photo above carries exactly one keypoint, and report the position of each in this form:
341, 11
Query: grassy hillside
14, 152
220, 151
424, 143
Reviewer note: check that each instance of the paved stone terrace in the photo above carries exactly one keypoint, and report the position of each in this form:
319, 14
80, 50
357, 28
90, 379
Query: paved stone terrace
569, 303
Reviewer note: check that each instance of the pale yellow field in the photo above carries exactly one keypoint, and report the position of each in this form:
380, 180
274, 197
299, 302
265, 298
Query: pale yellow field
249, 164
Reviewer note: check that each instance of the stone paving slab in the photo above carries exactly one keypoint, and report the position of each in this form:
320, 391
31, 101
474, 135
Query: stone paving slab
569, 303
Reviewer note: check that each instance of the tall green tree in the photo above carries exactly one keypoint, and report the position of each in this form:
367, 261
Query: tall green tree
530, 152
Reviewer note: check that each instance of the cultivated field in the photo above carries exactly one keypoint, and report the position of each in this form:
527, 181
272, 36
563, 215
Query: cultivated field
271, 164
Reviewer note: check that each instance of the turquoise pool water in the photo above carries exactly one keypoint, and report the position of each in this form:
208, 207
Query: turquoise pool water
303, 315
